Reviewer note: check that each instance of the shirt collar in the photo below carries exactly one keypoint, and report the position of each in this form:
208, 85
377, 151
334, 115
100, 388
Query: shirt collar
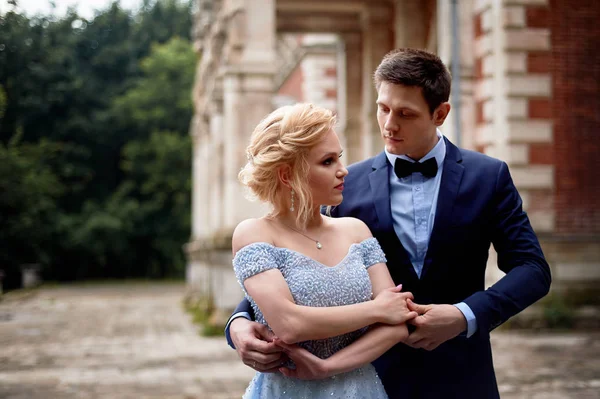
438, 152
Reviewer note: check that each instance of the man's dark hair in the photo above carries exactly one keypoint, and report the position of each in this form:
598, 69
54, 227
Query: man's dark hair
413, 67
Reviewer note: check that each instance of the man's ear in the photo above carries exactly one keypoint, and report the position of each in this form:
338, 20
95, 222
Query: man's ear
441, 113
283, 173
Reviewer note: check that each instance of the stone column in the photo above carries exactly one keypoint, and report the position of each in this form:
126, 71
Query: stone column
247, 97
377, 41
216, 165
200, 179
354, 92
466, 108
341, 79
197, 270
412, 23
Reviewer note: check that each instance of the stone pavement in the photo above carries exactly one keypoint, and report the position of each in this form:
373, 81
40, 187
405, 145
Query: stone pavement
135, 341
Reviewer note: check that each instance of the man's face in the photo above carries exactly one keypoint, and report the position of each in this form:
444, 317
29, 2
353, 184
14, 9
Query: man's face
406, 125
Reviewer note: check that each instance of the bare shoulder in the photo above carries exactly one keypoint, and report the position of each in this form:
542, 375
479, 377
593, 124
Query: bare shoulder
356, 227
250, 231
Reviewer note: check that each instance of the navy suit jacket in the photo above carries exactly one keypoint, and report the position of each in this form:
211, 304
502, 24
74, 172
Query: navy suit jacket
478, 205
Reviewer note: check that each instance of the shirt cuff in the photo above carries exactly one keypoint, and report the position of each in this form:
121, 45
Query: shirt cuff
245, 315
470, 316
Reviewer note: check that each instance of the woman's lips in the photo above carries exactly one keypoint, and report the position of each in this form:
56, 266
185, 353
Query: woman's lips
339, 187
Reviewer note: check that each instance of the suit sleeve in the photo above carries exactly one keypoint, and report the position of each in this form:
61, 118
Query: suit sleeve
520, 256
243, 309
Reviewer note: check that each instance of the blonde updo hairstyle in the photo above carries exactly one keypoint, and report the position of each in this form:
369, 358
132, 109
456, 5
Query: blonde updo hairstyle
284, 138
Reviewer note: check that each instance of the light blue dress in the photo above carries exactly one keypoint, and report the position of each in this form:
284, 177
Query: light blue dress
314, 284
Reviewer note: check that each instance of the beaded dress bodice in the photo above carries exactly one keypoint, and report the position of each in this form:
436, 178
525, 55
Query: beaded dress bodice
312, 283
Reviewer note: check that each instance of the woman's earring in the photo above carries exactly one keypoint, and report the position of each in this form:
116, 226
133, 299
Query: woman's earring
292, 207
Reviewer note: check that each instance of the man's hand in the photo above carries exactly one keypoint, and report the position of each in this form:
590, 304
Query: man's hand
435, 325
308, 366
254, 344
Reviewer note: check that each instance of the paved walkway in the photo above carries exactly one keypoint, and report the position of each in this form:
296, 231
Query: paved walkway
135, 341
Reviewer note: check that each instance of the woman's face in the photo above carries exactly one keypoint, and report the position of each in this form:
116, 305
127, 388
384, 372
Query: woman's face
326, 173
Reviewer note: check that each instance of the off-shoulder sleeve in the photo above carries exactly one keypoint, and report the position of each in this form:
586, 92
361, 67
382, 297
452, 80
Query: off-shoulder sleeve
371, 252
253, 259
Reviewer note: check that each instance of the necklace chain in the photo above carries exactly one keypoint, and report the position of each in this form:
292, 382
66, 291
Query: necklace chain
317, 242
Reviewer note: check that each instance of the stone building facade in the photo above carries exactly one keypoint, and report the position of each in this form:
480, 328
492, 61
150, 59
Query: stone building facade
528, 94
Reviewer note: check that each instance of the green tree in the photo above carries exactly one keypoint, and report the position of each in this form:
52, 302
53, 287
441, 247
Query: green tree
161, 98
158, 168
64, 81
29, 190
159, 177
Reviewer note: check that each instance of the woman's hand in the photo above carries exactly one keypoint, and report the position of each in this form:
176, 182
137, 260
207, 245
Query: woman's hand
308, 366
392, 306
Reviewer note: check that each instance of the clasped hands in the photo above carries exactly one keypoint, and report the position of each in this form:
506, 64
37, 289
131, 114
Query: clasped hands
434, 324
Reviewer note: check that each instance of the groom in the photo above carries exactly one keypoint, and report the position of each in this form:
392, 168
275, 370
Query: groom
435, 209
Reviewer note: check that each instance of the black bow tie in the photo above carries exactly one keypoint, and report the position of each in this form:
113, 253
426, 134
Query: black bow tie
404, 168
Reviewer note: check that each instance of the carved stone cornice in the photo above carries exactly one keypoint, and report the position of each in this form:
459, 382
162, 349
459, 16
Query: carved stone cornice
201, 248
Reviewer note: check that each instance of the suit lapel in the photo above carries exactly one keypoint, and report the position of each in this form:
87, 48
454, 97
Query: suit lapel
380, 191
449, 187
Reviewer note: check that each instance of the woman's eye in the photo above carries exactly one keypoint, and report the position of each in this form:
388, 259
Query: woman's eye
328, 161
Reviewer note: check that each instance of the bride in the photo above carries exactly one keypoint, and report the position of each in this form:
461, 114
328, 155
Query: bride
320, 284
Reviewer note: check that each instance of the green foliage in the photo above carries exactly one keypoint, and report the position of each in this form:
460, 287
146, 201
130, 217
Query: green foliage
202, 312
155, 102
2, 101
29, 189
557, 313
96, 158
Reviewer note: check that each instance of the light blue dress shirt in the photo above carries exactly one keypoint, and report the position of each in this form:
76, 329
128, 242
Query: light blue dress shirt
414, 202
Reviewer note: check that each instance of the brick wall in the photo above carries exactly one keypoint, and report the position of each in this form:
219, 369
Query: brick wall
513, 117
575, 66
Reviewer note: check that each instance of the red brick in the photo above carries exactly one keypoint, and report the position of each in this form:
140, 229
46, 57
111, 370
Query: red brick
330, 93
539, 62
479, 118
477, 26
537, 17
541, 154
575, 71
540, 108
478, 68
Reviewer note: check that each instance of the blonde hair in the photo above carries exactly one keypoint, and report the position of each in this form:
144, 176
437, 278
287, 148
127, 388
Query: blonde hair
285, 137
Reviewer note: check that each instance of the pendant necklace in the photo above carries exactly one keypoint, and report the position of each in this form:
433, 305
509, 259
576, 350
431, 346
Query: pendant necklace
317, 242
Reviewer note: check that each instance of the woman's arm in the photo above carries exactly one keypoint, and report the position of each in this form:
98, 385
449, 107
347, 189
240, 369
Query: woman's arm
366, 349
375, 342
295, 323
